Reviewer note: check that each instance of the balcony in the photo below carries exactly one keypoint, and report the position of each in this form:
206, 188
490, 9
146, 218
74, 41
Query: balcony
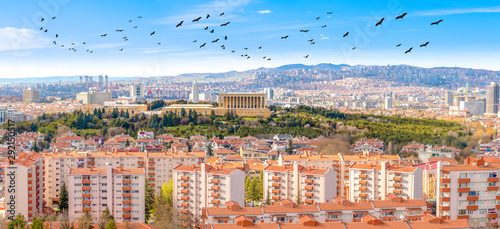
185, 211
185, 191
397, 185
185, 205
497, 206
125, 188
445, 180
398, 178
309, 194
309, 188
151, 174
127, 209
463, 189
444, 189
276, 178
397, 191
185, 198
216, 195
85, 209
472, 207
140, 162
184, 178
215, 202
215, 181
127, 181
444, 198
276, 198
493, 188
309, 181
363, 188
30, 181
363, 182
276, 185
492, 215
185, 185
493, 179
216, 188
444, 208
462, 217
363, 176
86, 195
85, 201
276, 191
86, 188
309, 201
472, 198
30, 175
362, 195
127, 195
127, 202
151, 163
464, 180
126, 216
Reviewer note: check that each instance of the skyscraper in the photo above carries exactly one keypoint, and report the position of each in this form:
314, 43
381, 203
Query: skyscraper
492, 99
81, 79
86, 81
195, 92
137, 92
106, 80
269, 93
448, 98
100, 80
388, 103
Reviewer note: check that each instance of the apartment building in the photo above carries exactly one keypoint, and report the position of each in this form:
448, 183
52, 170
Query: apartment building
121, 190
158, 166
24, 185
340, 164
337, 210
76, 141
469, 191
374, 182
196, 187
295, 182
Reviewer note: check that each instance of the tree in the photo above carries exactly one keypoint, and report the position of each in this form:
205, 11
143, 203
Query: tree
85, 221
127, 143
167, 191
209, 150
64, 220
150, 200
38, 223
183, 112
190, 147
105, 218
111, 224
63, 198
298, 200
18, 222
35, 147
268, 198
289, 150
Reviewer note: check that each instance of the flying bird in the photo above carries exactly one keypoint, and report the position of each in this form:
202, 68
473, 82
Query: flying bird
83, 43
401, 16
180, 24
313, 43
323, 26
225, 38
124, 38
225, 24
285, 37
121, 49
437, 22
57, 35
246, 48
197, 19
139, 17
264, 57
135, 27
62, 46
424, 45
212, 31
104, 35
329, 13
221, 14
153, 33
215, 41
72, 43
206, 28
119, 30
91, 51
233, 51
53, 18
346, 34
54, 42
260, 47
304, 30
398, 45
43, 19
45, 30
269, 59
88, 50
208, 15
159, 43
41, 28
306, 56
195, 41
310, 40
353, 48
317, 18
380, 22
248, 57
130, 21
409, 50
203, 45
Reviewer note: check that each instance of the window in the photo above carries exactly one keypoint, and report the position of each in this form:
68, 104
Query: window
463, 175
462, 212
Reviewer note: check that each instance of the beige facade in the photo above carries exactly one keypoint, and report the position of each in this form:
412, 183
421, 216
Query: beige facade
282, 182
121, 190
131, 108
158, 166
93, 97
197, 187
24, 186
242, 100
31, 95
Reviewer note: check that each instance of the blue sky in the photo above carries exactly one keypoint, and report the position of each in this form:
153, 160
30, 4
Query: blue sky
468, 36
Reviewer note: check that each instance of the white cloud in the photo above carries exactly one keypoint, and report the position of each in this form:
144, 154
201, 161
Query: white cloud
442, 12
264, 12
325, 38
20, 39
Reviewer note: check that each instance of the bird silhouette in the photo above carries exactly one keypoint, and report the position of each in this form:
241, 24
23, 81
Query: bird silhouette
248, 57
260, 47
180, 24
159, 43
313, 43
121, 49
323, 26
135, 27
424, 45
245, 55
62, 46
53, 18
130, 21
221, 14
57, 35
437, 22
212, 31
242, 55
43, 19
304, 30
285, 37
195, 41
203, 45
83, 43
329, 13
398, 45
153, 33
346, 34
91, 51
54, 42
225, 38
245, 48
225, 24
317, 18
206, 28
88, 50
72, 43
306, 56
380, 22
409, 50
310, 40
45, 30
264, 57
223, 47
353, 48
215, 41
197, 19
41, 28
119, 30
233, 51
139, 16
124, 38
208, 15
269, 59
401, 16
104, 35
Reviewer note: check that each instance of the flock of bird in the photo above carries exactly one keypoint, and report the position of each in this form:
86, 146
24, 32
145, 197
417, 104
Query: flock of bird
224, 38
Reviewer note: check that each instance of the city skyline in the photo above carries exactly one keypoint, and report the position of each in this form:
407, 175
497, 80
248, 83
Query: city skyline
26, 51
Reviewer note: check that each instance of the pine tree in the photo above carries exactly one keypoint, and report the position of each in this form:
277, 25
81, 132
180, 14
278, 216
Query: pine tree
18, 222
268, 198
209, 150
85, 221
111, 224
167, 192
127, 143
63, 198
105, 218
298, 200
149, 193
289, 150
38, 223
35, 148
183, 112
